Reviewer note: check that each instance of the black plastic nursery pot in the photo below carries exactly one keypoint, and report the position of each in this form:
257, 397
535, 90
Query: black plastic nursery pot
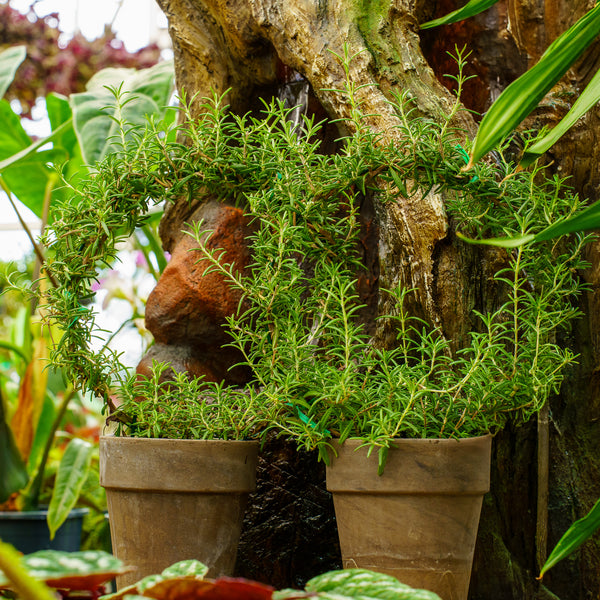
173, 500
418, 521
28, 531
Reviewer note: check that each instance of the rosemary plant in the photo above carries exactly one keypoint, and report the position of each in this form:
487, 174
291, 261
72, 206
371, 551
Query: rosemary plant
316, 374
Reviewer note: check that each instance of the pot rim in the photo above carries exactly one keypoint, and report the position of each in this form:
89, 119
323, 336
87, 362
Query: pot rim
39, 513
420, 465
126, 439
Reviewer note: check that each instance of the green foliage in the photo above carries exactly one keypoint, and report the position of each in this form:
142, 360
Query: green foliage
63, 570
586, 100
315, 372
186, 408
31, 412
470, 9
585, 220
354, 583
86, 571
98, 125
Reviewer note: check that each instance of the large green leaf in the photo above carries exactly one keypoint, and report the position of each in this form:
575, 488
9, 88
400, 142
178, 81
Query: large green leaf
28, 167
95, 111
588, 98
71, 476
63, 133
576, 535
12, 135
10, 59
472, 8
29, 153
524, 94
28, 177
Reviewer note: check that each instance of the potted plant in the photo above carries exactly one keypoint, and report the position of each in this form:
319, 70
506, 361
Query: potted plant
28, 438
176, 445
33, 409
317, 375
83, 133
329, 386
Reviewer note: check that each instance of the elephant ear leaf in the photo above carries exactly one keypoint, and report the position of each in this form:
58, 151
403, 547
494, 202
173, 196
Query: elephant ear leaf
10, 59
472, 8
97, 112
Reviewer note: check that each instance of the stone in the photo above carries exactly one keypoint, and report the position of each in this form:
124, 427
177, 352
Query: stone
187, 309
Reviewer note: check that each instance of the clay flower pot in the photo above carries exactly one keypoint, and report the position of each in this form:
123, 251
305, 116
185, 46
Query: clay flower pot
419, 520
171, 500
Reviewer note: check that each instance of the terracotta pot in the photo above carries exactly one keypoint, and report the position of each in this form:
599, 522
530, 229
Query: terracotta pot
171, 500
419, 520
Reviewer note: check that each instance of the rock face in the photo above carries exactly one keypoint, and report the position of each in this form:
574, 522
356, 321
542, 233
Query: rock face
187, 309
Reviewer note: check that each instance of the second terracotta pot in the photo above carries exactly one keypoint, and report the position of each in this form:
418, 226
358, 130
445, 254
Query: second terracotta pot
419, 520
171, 500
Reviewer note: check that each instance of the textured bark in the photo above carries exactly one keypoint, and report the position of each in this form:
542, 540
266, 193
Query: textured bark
236, 45
243, 46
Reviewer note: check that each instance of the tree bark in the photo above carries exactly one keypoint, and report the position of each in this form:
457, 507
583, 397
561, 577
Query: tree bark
241, 47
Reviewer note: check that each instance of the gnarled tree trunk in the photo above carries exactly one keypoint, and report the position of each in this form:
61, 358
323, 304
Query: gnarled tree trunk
247, 49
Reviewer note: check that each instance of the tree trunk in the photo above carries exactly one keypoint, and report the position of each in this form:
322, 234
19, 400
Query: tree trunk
247, 49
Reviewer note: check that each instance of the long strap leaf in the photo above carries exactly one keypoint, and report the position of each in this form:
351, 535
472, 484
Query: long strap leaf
472, 8
524, 94
588, 98
586, 220
576, 535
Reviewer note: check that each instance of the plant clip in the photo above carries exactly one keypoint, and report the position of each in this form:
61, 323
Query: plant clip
465, 156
